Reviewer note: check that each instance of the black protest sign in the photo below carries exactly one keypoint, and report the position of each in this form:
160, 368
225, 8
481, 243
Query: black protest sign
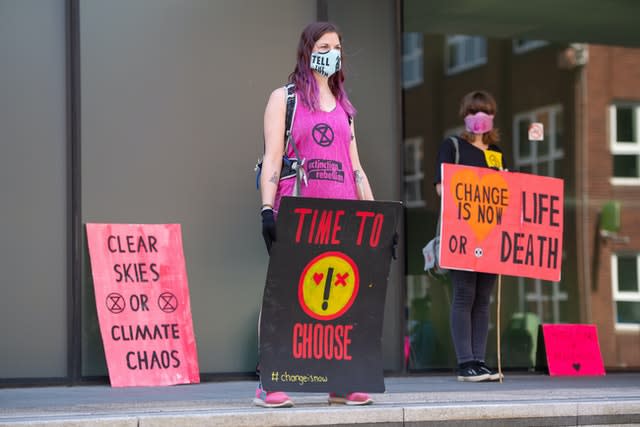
323, 305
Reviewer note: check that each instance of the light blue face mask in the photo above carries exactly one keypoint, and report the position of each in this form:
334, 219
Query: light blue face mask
326, 63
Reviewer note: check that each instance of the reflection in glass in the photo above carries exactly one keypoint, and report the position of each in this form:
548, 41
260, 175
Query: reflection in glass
539, 157
453, 55
524, 45
559, 127
413, 174
581, 135
412, 60
543, 169
464, 52
543, 146
412, 192
557, 166
525, 169
523, 138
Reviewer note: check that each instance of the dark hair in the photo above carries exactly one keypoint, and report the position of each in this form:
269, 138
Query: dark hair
302, 75
479, 101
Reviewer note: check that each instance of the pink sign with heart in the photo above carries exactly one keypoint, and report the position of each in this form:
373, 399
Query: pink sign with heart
501, 222
572, 350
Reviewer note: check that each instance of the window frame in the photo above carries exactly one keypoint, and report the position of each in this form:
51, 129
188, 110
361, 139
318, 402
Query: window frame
412, 59
533, 160
479, 58
416, 178
539, 292
527, 46
627, 147
626, 296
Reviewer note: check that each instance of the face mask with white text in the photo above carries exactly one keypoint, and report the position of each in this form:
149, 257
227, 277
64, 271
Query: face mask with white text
326, 63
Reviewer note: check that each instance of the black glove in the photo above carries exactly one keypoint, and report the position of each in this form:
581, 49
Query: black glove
394, 245
268, 228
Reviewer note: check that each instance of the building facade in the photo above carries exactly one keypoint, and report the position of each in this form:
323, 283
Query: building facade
150, 111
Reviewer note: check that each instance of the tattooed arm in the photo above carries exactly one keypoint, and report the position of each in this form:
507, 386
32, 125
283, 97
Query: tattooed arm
273, 146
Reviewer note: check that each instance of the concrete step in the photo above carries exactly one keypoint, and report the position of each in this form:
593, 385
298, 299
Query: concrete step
438, 400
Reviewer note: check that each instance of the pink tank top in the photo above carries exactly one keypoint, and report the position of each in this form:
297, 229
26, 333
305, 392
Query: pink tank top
323, 140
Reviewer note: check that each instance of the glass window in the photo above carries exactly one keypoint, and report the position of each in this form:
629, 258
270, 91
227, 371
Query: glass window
544, 169
412, 59
625, 166
539, 157
625, 144
559, 128
544, 298
557, 165
543, 146
626, 289
413, 173
526, 169
465, 52
530, 80
524, 147
625, 125
627, 274
628, 312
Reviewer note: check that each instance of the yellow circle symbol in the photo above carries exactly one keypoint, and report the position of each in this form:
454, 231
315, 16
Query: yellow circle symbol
328, 286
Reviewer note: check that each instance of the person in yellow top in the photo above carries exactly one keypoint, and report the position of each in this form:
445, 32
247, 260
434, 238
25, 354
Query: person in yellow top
472, 290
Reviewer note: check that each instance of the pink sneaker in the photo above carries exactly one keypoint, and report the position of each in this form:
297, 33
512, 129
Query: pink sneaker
272, 399
350, 398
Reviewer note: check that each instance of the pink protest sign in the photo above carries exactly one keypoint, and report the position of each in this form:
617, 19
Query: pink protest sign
501, 222
572, 350
142, 297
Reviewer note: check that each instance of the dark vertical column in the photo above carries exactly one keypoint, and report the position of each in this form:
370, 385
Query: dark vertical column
74, 233
397, 31
322, 13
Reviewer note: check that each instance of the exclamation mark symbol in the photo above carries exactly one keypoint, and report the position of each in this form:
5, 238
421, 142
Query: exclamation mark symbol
327, 289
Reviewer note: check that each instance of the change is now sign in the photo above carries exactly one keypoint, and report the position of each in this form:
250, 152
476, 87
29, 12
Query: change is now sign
142, 299
501, 222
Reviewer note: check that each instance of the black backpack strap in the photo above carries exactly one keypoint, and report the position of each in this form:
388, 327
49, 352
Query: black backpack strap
292, 101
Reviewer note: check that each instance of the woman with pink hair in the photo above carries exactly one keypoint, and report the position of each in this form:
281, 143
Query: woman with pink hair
325, 143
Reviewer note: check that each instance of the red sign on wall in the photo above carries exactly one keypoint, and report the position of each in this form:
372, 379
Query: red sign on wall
501, 222
572, 350
142, 298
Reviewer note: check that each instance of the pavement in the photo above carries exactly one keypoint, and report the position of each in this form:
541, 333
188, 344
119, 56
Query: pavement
522, 399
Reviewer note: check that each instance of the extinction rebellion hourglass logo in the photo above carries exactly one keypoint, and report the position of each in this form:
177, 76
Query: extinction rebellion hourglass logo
322, 134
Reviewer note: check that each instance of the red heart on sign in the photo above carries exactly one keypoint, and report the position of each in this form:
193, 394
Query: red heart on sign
317, 277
